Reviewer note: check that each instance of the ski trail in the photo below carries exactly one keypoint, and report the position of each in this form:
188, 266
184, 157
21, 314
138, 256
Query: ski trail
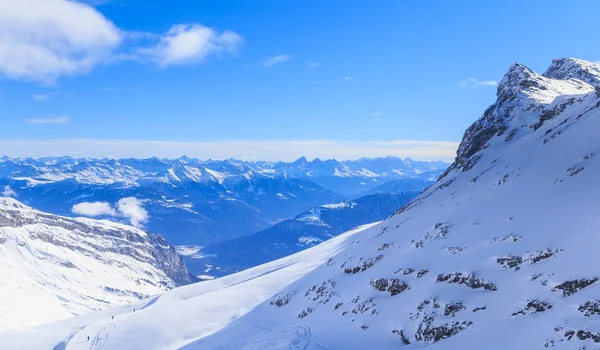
299, 337
99, 333
103, 335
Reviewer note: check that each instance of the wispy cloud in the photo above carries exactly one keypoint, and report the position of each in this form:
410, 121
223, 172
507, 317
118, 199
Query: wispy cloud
55, 120
376, 114
474, 83
349, 78
242, 149
41, 97
8, 192
185, 44
272, 61
311, 64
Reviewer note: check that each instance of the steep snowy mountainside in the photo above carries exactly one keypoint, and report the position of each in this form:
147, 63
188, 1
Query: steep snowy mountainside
310, 228
179, 316
55, 267
499, 254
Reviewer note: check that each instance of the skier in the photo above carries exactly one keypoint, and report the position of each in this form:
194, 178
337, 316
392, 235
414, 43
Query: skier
113, 317
133, 310
88, 338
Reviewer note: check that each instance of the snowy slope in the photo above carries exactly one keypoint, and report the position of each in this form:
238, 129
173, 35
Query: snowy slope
54, 267
179, 316
501, 253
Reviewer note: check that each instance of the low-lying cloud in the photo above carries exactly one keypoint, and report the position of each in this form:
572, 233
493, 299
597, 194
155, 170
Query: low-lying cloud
130, 208
133, 209
93, 209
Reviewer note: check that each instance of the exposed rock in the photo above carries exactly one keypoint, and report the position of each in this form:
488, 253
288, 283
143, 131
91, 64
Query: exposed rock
572, 287
470, 280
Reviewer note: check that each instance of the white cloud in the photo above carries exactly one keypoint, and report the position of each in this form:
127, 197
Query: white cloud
184, 44
57, 120
474, 83
93, 209
377, 114
133, 209
260, 150
8, 192
349, 78
41, 97
130, 208
313, 64
41, 40
271, 61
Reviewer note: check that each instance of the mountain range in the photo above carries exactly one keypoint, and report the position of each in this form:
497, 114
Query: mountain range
498, 254
193, 202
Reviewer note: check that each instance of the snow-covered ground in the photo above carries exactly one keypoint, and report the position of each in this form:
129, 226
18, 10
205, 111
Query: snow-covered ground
180, 316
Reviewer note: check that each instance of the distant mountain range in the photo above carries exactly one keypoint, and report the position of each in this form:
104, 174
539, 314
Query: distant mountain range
290, 236
194, 202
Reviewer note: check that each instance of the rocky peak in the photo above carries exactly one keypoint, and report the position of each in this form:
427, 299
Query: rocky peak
572, 68
526, 98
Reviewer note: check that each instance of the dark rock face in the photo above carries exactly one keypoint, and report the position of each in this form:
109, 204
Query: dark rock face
363, 265
402, 336
571, 287
168, 260
392, 285
470, 280
431, 334
590, 308
533, 307
452, 308
510, 262
582, 335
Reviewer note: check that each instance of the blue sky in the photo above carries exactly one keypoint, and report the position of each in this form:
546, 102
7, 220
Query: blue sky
267, 79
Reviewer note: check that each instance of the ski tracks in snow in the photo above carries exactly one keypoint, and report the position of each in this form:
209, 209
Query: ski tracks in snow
98, 333
295, 338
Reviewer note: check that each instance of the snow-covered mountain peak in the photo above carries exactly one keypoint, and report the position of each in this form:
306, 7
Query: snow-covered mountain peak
522, 82
573, 68
525, 101
7, 203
